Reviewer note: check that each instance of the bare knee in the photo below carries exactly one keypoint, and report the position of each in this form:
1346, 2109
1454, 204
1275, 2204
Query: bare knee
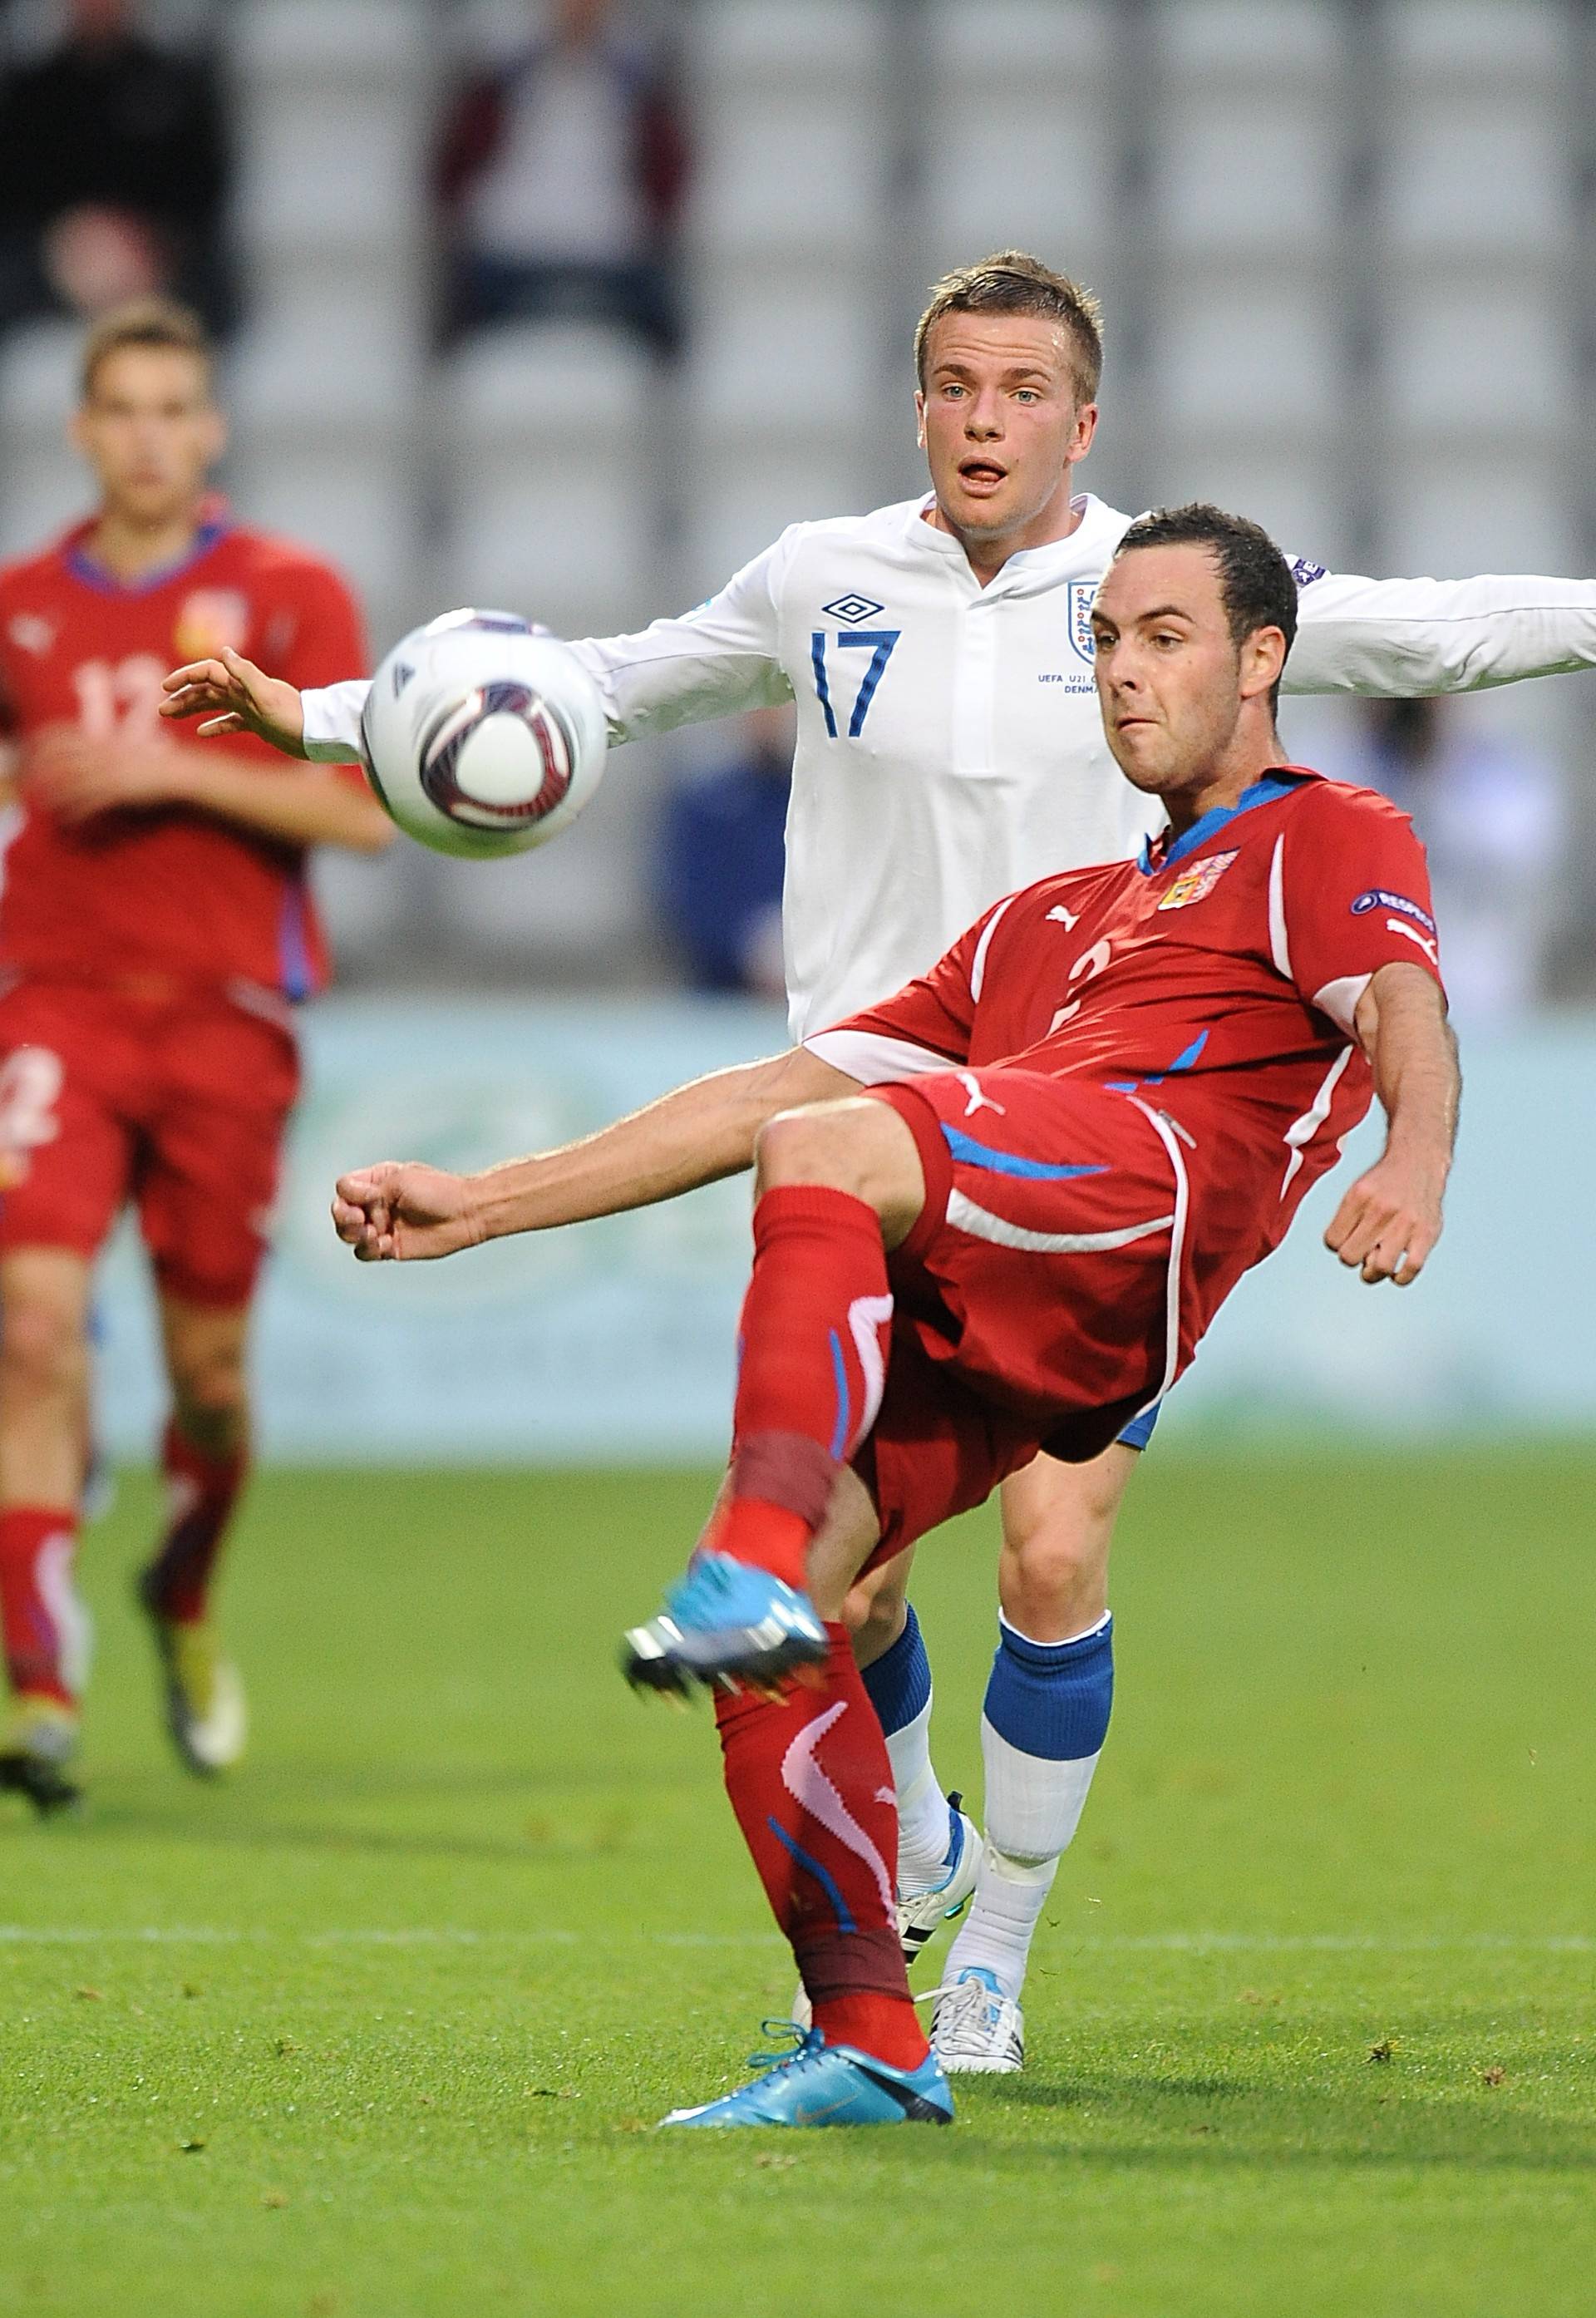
1058, 1525
42, 1351
875, 1614
859, 1146
210, 1393
825, 1144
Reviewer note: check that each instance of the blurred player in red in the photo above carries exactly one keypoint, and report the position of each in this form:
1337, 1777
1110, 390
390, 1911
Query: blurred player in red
1128, 1076
156, 932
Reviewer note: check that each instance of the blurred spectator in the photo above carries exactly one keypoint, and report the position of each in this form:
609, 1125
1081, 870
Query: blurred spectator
1492, 819
562, 172
723, 858
113, 174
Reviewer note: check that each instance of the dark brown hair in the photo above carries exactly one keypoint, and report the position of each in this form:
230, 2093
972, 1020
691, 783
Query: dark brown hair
1257, 586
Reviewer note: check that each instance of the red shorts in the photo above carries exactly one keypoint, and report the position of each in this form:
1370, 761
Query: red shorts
174, 1103
1035, 1300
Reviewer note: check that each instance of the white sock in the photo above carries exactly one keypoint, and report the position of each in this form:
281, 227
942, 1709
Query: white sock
996, 1936
1033, 1808
922, 1807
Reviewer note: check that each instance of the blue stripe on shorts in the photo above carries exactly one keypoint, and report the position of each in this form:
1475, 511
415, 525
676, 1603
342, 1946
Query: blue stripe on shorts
1138, 1432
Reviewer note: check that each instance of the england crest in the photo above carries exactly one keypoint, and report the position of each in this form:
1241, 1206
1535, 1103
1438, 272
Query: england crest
1082, 595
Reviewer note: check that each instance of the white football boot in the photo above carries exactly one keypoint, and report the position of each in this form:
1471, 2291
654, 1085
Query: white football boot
977, 2031
921, 1913
203, 1691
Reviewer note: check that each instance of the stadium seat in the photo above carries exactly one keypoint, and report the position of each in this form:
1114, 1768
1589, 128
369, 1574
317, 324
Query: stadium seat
1477, 171
1239, 347
787, 101
546, 434
1246, 151
1468, 355
333, 122
794, 347
757, 491
1516, 517
1018, 140
1292, 489
286, 378
354, 509
42, 482
1475, 161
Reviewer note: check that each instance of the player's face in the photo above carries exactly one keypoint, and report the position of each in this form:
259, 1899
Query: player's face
150, 431
1172, 683
999, 422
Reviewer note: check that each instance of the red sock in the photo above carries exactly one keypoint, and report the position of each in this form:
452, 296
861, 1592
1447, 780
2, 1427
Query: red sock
813, 1368
201, 1494
811, 1783
44, 1625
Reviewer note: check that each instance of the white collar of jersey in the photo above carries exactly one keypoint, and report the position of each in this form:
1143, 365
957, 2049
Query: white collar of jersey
1083, 554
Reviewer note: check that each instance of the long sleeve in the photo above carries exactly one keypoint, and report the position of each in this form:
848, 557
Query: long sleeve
714, 662
332, 720
1397, 638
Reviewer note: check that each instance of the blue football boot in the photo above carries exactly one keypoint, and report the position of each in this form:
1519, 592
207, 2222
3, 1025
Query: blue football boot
725, 1622
826, 2084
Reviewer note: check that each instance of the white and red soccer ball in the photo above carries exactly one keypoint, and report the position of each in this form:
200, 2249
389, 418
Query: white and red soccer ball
483, 735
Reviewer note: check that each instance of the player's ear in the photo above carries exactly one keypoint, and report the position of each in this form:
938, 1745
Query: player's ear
1263, 656
216, 434
919, 417
1086, 427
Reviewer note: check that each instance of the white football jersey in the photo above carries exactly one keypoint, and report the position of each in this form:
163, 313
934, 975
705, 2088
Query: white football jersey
949, 745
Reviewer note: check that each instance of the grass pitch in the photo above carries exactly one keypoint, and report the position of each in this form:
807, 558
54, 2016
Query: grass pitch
380, 2027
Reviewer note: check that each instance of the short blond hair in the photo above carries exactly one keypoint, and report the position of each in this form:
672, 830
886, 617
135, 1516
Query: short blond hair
1013, 282
159, 323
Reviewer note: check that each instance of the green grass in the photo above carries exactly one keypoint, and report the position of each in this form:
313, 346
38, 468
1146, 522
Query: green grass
380, 2028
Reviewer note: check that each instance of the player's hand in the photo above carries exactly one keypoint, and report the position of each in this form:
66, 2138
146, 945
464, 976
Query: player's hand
1390, 1219
234, 695
402, 1212
74, 775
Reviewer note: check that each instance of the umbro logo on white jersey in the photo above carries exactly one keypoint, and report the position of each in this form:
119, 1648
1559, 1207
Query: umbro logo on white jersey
852, 608
1068, 919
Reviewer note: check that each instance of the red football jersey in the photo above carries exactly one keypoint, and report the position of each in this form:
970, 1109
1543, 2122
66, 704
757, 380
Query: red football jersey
163, 890
1216, 978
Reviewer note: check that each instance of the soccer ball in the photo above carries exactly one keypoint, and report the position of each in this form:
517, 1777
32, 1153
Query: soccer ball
483, 735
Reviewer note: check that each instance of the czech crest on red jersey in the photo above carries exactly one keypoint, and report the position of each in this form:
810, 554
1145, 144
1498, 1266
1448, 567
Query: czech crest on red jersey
1194, 885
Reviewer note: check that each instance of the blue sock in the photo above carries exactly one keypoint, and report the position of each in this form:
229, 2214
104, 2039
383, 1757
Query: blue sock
900, 1687
900, 1681
1052, 1699
1044, 1721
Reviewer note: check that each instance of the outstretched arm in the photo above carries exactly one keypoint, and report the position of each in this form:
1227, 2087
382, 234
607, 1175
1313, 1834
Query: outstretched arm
1399, 638
402, 1212
1391, 1217
233, 696
713, 661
